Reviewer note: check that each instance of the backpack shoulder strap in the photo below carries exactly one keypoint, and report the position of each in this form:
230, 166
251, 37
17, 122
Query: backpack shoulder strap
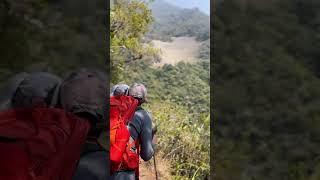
132, 105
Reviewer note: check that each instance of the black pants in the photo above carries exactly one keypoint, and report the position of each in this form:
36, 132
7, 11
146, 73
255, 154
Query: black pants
124, 175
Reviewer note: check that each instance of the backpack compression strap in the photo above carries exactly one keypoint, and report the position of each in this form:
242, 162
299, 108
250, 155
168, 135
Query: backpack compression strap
126, 106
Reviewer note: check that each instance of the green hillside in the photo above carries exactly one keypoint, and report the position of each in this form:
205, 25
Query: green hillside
172, 21
266, 91
178, 95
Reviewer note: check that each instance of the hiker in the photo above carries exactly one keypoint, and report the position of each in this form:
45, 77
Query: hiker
47, 143
94, 161
140, 140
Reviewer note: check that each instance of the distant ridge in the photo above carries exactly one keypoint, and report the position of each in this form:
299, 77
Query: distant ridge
173, 21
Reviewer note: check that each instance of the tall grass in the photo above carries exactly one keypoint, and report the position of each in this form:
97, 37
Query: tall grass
183, 139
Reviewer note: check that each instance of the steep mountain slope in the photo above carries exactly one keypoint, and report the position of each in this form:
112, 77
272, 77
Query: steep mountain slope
266, 91
203, 5
178, 97
172, 21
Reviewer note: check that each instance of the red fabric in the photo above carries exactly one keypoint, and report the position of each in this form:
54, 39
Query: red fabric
125, 105
122, 109
14, 162
52, 139
118, 146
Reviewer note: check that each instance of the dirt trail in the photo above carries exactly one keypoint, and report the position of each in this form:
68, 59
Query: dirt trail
180, 49
147, 171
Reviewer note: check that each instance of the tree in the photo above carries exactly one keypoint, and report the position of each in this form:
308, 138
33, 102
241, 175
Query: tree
38, 35
129, 22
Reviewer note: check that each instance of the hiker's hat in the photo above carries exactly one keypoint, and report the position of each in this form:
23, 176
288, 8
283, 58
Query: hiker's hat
83, 91
139, 91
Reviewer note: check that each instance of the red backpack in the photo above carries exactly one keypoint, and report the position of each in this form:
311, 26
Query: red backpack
40, 143
124, 151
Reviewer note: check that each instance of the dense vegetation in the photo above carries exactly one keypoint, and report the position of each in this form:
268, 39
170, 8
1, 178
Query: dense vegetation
267, 91
204, 51
178, 100
171, 21
54, 36
183, 84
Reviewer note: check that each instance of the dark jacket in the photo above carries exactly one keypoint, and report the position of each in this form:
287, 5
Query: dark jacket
93, 166
141, 127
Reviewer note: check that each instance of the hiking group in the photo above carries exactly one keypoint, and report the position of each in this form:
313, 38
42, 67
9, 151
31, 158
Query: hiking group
54, 129
131, 132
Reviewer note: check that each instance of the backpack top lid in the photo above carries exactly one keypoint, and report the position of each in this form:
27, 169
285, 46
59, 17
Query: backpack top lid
25, 89
84, 91
123, 106
36, 89
9, 90
120, 89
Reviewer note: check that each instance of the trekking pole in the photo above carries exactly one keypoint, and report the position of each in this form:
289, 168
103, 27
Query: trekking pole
154, 155
155, 166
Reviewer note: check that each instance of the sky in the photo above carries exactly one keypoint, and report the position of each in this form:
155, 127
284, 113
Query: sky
203, 5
